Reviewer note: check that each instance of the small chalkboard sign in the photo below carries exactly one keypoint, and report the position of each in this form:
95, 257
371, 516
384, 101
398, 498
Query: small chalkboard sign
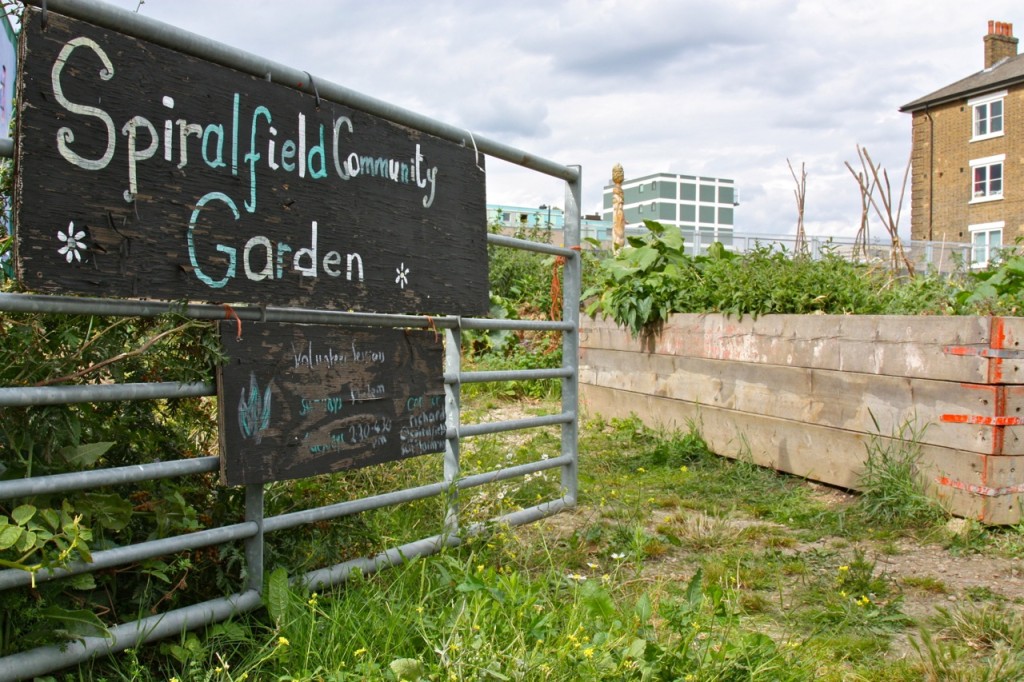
301, 400
145, 172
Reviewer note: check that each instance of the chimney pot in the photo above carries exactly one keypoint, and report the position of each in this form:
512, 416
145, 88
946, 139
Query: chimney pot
999, 43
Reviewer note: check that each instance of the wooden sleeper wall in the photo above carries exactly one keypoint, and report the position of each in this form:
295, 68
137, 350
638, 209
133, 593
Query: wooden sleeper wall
806, 393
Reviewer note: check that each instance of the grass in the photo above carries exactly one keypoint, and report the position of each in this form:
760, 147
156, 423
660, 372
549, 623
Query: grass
676, 565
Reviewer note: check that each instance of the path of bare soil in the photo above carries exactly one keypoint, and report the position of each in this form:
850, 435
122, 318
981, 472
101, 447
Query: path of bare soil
928, 575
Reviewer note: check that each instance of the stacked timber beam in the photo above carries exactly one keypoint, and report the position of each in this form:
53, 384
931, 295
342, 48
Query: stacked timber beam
806, 394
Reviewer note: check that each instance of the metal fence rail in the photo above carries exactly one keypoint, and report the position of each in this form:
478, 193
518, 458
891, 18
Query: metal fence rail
252, 530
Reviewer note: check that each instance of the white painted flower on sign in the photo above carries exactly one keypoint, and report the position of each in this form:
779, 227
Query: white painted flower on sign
73, 244
403, 275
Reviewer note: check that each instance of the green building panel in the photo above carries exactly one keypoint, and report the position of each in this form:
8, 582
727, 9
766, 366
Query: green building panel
688, 191
725, 216
687, 213
666, 212
707, 215
707, 194
726, 195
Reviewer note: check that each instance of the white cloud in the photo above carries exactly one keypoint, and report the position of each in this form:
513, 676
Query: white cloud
691, 86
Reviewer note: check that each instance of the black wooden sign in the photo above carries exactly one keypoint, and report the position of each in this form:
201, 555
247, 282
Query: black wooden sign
302, 400
144, 172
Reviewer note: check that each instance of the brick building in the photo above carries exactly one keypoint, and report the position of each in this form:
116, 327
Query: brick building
968, 153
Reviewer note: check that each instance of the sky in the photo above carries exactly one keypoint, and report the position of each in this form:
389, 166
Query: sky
726, 88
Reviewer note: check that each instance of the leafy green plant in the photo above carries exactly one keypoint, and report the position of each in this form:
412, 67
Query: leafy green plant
998, 289
29, 532
641, 283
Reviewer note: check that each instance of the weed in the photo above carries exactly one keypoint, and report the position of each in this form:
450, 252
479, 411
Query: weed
892, 489
926, 583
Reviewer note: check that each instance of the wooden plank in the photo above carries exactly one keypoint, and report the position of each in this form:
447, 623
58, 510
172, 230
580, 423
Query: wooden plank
848, 400
883, 345
985, 487
132, 180
301, 400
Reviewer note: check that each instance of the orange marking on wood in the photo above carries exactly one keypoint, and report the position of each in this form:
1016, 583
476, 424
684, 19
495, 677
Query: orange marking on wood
980, 419
997, 337
980, 489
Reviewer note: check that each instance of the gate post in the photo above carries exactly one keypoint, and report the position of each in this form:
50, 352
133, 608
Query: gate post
453, 403
572, 274
254, 545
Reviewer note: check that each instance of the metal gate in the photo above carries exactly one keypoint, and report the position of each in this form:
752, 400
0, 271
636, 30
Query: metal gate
256, 525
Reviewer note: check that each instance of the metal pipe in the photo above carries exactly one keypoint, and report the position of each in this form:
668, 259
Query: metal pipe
326, 577
453, 417
477, 480
527, 245
74, 305
468, 430
524, 325
572, 275
82, 480
334, 511
540, 511
508, 375
119, 556
34, 662
159, 33
21, 396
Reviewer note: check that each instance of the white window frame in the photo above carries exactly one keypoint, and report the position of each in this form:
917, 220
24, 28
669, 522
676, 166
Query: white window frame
983, 104
987, 194
987, 229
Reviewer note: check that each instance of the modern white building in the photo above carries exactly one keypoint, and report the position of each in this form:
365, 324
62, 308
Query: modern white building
704, 208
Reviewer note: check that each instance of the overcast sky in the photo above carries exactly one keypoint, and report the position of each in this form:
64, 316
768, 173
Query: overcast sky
722, 88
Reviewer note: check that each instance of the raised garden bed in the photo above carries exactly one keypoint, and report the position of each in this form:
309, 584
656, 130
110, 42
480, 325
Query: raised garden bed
806, 393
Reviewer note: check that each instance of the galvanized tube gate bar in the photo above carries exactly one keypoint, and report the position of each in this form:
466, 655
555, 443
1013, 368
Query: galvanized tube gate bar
69, 305
96, 478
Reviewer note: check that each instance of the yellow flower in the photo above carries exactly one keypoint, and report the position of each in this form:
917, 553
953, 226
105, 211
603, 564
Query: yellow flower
683, 469
174, 679
864, 600
360, 652
844, 569
283, 641
589, 652
641, 470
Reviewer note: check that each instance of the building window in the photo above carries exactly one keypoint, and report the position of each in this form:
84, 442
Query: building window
986, 240
987, 115
987, 178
